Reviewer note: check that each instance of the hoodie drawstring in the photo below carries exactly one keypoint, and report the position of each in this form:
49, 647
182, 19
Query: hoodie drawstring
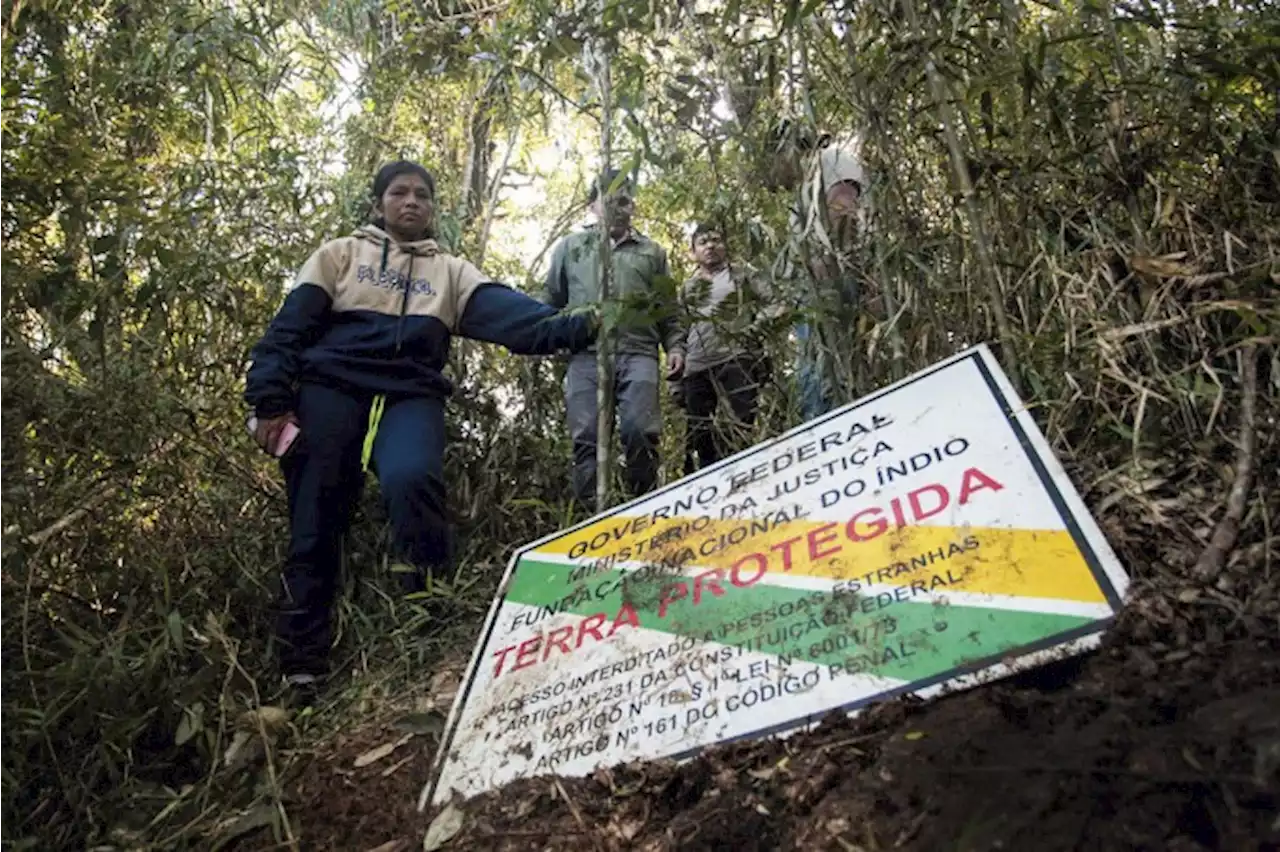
375, 411
375, 417
380, 401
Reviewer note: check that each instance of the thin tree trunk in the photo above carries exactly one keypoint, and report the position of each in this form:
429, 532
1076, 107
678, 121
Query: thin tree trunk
476, 172
495, 189
604, 357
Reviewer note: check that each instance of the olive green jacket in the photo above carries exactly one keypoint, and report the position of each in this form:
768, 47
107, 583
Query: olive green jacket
641, 282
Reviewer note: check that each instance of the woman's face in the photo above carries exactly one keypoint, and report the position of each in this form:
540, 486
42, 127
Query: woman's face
407, 207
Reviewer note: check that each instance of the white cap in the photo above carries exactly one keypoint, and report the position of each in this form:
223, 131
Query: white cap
840, 164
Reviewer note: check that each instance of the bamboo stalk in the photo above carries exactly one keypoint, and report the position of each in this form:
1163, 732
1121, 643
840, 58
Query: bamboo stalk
991, 277
604, 346
1214, 556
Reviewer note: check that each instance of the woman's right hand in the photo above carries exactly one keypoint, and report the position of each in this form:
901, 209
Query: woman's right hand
268, 431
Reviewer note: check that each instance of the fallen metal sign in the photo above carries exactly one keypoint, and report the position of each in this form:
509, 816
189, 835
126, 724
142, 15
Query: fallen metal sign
923, 538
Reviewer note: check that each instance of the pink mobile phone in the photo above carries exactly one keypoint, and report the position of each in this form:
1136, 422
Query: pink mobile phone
284, 442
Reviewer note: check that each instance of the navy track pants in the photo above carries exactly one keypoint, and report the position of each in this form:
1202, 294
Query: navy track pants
324, 481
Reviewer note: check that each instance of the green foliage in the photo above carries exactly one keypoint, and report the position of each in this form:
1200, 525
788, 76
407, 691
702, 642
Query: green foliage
1093, 187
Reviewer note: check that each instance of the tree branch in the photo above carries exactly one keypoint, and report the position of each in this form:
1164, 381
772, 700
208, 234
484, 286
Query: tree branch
604, 344
1210, 563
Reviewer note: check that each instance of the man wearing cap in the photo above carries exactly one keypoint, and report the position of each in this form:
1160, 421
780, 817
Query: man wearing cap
825, 225
648, 320
828, 216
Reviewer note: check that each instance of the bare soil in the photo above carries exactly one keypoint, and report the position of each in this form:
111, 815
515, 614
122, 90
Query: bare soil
1168, 737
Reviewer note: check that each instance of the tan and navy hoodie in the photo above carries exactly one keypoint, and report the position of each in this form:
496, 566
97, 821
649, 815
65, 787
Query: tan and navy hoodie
370, 315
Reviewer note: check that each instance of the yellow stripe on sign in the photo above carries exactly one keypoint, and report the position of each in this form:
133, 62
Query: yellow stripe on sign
618, 532
981, 560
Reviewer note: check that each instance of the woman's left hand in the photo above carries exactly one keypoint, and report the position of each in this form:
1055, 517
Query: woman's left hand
269, 428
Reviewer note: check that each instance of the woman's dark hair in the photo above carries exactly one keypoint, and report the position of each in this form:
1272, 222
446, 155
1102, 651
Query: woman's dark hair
389, 172
393, 170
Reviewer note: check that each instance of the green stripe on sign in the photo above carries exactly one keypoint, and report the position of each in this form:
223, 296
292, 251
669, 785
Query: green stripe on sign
876, 634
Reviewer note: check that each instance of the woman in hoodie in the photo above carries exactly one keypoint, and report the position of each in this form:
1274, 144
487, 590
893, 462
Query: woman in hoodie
354, 360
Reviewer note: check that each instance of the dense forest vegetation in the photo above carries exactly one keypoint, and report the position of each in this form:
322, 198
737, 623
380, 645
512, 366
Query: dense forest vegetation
1092, 187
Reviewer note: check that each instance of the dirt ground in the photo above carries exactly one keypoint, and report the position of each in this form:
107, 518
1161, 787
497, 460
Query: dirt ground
1168, 737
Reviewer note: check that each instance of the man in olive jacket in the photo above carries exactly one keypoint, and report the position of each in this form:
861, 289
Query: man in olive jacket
649, 320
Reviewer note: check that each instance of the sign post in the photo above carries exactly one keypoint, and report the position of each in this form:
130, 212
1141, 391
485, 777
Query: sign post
923, 538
